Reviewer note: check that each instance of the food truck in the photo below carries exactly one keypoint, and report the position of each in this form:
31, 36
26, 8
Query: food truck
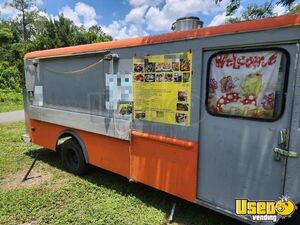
210, 115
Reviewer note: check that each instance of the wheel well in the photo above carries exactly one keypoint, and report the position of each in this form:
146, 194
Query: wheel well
68, 134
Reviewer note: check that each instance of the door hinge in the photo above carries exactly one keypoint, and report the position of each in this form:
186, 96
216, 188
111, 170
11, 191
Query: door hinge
281, 152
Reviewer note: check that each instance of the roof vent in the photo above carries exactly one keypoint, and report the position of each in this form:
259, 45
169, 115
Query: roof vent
187, 23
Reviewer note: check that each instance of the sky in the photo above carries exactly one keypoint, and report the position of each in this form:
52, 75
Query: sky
131, 18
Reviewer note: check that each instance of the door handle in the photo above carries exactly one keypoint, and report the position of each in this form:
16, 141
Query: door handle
281, 152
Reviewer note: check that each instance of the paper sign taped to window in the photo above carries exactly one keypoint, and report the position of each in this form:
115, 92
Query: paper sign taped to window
118, 90
245, 84
38, 96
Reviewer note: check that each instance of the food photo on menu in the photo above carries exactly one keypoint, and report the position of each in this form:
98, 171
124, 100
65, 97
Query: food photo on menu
177, 77
140, 114
175, 66
150, 77
168, 77
186, 77
163, 67
182, 96
181, 119
139, 77
138, 67
182, 107
184, 65
159, 77
149, 67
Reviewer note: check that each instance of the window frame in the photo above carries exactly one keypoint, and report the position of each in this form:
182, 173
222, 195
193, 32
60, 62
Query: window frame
249, 50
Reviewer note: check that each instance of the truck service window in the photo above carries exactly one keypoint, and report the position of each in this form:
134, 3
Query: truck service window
247, 84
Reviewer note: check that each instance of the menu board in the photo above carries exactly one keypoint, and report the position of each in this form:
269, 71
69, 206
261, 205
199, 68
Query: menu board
162, 88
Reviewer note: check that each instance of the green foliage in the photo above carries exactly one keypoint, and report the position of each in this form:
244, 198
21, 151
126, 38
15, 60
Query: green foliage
254, 11
29, 31
295, 9
9, 76
288, 3
63, 32
232, 20
10, 100
27, 14
6, 35
10, 96
235, 4
232, 7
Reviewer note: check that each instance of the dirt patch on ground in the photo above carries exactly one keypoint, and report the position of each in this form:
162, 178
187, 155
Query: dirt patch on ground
35, 179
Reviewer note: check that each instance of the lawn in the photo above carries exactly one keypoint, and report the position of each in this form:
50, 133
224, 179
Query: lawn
53, 196
10, 101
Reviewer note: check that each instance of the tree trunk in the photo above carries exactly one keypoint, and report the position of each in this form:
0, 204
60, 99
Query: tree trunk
23, 21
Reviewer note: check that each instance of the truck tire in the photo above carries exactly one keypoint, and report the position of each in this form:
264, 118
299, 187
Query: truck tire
72, 157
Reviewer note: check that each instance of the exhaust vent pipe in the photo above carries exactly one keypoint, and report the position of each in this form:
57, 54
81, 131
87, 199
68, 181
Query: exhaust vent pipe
187, 23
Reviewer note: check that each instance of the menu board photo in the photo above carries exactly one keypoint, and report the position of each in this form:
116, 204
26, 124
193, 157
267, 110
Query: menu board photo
162, 88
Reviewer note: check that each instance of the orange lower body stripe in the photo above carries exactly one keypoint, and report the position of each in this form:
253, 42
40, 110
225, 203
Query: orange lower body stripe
167, 164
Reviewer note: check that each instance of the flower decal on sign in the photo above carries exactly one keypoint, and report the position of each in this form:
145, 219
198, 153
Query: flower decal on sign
213, 86
227, 84
268, 101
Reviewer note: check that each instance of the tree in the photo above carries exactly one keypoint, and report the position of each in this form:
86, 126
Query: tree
29, 32
253, 12
27, 13
62, 32
295, 9
96, 34
235, 4
6, 35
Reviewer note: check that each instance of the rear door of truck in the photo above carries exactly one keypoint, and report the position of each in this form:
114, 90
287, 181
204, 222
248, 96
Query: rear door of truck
248, 104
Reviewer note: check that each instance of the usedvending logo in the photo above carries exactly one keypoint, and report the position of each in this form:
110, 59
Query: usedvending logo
265, 211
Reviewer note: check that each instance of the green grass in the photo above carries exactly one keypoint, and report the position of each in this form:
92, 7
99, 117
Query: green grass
100, 197
10, 101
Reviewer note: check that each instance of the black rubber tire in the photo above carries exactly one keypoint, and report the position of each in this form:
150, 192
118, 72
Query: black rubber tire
72, 157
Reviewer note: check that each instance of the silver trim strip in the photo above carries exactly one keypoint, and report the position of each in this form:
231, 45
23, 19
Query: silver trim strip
112, 127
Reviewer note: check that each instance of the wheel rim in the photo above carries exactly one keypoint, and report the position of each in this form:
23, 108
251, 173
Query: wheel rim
72, 159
